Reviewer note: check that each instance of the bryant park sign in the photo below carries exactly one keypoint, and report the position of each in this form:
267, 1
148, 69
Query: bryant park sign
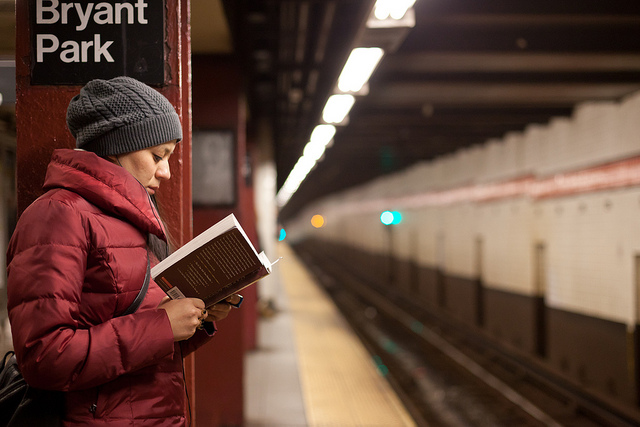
74, 42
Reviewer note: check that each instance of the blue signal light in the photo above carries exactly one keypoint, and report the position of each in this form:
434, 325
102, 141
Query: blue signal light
386, 218
397, 217
390, 217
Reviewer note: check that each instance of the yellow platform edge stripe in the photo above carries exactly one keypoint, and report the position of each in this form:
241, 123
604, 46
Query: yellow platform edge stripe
340, 382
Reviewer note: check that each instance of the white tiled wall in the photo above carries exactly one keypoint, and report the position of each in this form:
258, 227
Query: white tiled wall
507, 251
590, 240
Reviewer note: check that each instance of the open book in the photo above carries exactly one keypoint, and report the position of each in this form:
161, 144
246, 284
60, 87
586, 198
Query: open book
213, 265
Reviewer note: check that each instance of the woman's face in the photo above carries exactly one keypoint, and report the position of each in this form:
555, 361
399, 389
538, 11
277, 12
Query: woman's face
149, 166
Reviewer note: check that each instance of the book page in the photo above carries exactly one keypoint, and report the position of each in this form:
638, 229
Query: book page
222, 261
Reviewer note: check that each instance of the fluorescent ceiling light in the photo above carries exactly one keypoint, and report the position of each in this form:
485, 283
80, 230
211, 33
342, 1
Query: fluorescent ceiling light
313, 151
302, 168
395, 9
355, 74
322, 134
284, 195
320, 138
337, 108
358, 69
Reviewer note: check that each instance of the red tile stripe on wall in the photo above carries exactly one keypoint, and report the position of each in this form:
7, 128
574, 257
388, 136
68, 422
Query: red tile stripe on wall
621, 174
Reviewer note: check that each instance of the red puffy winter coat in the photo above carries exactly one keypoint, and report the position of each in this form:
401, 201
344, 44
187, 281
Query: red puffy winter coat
76, 260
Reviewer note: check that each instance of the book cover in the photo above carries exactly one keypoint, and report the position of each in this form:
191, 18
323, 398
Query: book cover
214, 265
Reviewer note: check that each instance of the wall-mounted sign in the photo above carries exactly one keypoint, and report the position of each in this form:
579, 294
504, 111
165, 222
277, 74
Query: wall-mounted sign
74, 42
213, 168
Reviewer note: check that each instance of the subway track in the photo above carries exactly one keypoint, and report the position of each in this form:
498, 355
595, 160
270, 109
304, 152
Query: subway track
448, 375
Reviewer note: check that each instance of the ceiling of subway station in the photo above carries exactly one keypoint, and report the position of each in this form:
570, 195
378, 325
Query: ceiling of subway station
468, 71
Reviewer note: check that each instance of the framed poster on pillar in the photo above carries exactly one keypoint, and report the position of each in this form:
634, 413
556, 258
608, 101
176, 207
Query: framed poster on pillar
213, 168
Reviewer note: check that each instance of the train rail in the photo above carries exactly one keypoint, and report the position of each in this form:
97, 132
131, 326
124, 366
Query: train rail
448, 375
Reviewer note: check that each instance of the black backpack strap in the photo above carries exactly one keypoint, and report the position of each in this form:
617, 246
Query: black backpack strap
143, 291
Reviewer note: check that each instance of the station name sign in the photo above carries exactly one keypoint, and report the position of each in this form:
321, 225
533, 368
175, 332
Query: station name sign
74, 42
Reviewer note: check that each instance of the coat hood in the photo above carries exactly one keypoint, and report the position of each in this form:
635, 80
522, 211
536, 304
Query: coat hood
104, 184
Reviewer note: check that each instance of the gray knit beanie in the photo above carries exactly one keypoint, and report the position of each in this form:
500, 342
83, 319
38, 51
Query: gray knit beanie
121, 115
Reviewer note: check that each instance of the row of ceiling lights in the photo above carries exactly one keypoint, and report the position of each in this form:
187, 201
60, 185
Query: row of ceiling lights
352, 82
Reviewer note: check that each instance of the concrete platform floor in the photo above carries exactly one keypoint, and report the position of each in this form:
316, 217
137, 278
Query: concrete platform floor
310, 369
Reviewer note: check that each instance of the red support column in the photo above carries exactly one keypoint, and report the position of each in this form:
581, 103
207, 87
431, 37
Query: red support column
40, 118
219, 105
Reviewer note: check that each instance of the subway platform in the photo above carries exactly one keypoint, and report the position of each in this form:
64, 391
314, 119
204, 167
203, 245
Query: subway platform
309, 368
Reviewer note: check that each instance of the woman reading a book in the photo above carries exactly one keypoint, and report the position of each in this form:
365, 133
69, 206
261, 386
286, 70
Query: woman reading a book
80, 256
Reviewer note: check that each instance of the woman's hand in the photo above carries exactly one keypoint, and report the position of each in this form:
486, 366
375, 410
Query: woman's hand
185, 315
220, 310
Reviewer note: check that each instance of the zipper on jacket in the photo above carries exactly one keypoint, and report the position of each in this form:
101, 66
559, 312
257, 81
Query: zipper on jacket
93, 408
